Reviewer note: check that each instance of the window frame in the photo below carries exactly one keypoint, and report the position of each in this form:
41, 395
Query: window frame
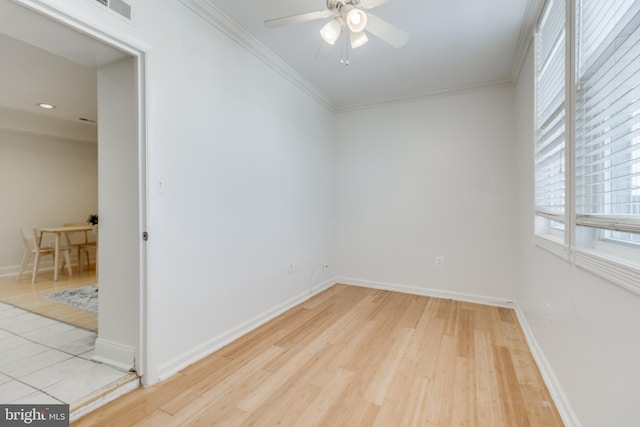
582, 243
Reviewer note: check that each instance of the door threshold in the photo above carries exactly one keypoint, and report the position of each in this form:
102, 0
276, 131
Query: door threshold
103, 396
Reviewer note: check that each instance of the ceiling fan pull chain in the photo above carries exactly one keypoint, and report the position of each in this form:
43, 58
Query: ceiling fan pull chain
345, 53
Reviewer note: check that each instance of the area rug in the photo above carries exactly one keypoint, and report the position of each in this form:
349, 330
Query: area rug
85, 298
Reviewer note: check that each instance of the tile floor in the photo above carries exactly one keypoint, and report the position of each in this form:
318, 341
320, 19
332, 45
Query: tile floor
45, 361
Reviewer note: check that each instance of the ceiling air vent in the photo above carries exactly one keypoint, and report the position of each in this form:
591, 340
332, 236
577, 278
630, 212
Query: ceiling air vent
118, 6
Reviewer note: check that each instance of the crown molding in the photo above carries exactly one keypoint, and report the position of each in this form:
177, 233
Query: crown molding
496, 84
531, 16
206, 10
227, 26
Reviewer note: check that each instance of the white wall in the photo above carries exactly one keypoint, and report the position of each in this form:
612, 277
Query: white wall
246, 159
247, 162
592, 340
432, 177
44, 181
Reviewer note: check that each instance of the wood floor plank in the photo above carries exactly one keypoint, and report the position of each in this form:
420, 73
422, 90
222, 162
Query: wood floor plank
465, 393
536, 398
388, 415
216, 389
509, 390
325, 365
381, 381
285, 407
222, 410
364, 360
442, 387
327, 397
323, 317
298, 364
411, 316
262, 336
353, 324
488, 404
157, 418
363, 415
353, 356
464, 334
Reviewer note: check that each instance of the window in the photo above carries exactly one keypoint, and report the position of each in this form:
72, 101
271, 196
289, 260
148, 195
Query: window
550, 121
588, 121
608, 118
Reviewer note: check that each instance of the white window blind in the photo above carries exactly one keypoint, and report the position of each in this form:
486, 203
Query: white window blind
550, 112
608, 117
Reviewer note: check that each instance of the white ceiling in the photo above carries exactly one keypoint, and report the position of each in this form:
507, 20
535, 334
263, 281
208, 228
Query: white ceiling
454, 44
30, 75
44, 61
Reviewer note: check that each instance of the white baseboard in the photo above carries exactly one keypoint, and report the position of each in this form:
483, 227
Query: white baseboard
12, 270
458, 296
45, 265
188, 358
560, 399
114, 354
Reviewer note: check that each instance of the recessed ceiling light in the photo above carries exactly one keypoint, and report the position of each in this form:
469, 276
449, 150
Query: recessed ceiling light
46, 106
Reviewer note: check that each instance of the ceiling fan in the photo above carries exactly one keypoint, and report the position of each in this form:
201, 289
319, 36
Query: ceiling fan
349, 14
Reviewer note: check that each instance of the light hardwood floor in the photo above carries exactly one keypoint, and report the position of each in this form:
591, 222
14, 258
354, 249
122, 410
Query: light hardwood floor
356, 357
26, 295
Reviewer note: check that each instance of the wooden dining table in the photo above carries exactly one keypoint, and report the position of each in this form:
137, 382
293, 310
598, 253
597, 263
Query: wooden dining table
59, 231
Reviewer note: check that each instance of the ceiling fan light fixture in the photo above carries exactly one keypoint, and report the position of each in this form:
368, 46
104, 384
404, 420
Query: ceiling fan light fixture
353, 15
331, 31
358, 39
356, 20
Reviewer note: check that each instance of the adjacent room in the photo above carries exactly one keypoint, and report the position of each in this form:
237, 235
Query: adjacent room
345, 212
49, 164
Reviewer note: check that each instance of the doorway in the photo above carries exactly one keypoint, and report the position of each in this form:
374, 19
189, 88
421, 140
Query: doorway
121, 168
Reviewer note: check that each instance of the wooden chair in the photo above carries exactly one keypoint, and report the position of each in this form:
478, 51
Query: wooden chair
80, 245
32, 240
86, 248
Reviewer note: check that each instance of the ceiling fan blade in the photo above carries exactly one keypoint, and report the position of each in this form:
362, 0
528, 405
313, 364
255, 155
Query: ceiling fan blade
324, 51
386, 32
370, 4
297, 19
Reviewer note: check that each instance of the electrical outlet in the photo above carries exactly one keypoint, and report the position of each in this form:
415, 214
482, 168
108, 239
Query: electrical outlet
439, 261
293, 267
